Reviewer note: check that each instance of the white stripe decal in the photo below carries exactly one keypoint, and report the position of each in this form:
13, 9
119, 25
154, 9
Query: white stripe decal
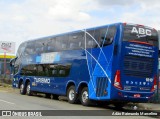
88, 66
96, 43
98, 64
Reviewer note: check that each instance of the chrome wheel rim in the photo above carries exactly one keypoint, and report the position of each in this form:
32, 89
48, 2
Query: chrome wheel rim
21, 88
71, 94
85, 96
28, 89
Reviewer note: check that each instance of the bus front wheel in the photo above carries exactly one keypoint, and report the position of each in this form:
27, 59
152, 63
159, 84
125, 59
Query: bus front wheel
71, 95
84, 97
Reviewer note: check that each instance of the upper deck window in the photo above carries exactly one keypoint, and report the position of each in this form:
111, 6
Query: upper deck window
107, 35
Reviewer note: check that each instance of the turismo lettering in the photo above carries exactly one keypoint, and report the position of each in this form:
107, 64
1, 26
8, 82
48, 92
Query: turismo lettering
42, 80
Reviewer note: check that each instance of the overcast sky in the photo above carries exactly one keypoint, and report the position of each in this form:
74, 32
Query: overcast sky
22, 20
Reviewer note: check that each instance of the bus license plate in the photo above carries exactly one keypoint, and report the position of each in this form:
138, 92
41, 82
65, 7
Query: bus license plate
137, 95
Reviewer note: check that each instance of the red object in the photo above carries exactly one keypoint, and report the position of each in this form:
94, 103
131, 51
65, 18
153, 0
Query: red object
5, 63
137, 95
140, 25
117, 80
125, 24
154, 84
139, 42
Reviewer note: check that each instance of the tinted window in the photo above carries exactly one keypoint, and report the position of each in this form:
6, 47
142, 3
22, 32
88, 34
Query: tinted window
21, 49
59, 70
30, 48
62, 42
48, 70
41, 46
51, 44
76, 41
140, 33
40, 70
107, 35
90, 38
29, 70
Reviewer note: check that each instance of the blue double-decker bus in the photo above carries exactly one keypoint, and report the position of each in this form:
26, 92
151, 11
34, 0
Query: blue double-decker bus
111, 63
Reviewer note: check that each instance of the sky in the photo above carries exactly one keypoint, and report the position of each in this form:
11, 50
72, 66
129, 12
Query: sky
22, 20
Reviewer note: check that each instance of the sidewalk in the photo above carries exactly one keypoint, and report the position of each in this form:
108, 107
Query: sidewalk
150, 106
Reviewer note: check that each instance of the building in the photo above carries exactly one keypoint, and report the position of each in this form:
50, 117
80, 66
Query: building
4, 64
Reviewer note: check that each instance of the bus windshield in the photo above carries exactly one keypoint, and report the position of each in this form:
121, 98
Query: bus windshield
140, 34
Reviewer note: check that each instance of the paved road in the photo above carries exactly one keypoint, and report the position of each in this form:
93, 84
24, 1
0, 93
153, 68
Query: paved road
12, 100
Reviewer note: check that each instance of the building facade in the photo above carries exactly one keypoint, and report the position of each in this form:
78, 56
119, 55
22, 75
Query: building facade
4, 64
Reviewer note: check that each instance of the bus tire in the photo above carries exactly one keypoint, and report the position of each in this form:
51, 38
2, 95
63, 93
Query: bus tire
22, 89
84, 97
71, 95
28, 89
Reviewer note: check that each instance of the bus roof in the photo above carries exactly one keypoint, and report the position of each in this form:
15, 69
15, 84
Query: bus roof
76, 31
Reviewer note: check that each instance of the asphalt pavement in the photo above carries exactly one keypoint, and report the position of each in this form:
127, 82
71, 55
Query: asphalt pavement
10, 99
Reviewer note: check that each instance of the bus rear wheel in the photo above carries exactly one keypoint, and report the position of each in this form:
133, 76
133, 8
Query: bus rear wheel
22, 89
28, 90
71, 95
84, 97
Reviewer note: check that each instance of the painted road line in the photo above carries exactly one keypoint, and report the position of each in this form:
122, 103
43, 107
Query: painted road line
7, 102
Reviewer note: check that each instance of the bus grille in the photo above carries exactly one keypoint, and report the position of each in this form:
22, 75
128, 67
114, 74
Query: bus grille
102, 83
138, 66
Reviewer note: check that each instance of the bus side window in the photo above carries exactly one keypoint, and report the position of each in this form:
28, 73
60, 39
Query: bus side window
54, 72
62, 72
40, 70
107, 35
75, 41
90, 40
62, 43
72, 46
30, 49
21, 49
16, 65
51, 44
16, 69
57, 70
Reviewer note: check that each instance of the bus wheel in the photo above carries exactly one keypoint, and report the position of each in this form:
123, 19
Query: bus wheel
22, 89
29, 93
84, 97
71, 95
